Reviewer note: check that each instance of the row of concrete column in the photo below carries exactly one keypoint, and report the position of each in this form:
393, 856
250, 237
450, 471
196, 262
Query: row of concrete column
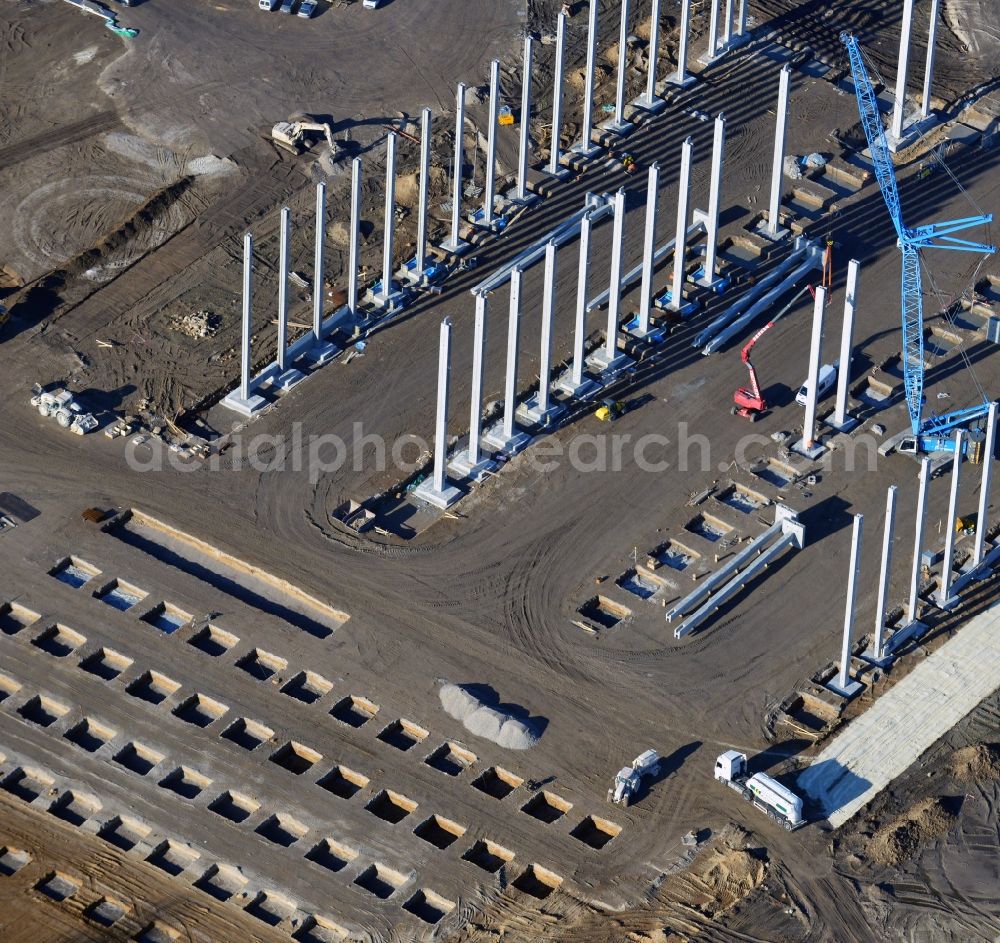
880, 652
898, 132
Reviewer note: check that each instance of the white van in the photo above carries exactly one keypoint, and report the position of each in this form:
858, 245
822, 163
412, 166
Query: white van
268, 5
827, 381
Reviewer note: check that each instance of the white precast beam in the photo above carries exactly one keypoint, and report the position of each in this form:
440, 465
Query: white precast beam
522, 152
899, 96
513, 350
846, 344
615, 285
425, 164
352, 263
844, 678
947, 565
652, 193
714, 198
319, 292
815, 350
885, 574
580, 326
918, 539
984, 487
557, 93
777, 163
925, 105
285, 233
247, 316
680, 237
490, 187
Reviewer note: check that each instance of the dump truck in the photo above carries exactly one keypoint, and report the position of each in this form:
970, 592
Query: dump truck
766, 793
629, 778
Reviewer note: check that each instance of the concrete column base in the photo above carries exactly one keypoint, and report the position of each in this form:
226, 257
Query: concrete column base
527, 200
496, 439
600, 362
912, 630
851, 690
847, 425
245, 407
289, 378
762, 229
621, 128
882, 661
678, 82
455, 248
461, 467
560, 173
584, 149
716, 283
811, 452
585, 388
529, 412
946, 602
653, 105
322, 353
443, 499
653, 334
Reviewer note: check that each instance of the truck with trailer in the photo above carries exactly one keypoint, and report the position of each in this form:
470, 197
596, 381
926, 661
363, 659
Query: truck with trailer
766, 793
628, 779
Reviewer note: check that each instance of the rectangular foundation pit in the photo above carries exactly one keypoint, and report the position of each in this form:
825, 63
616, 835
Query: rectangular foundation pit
672, 554
221, 882
451, 759
59, 640
200, 710
8, 687
28, 783
440, 832
775, 473
307, 686
261, 665
497, 782
74, 572
743, 499
354, 711
75, 807
90, 734
247, 734
940, 343
57, 886
185, 782
380, 881
172, 857
152, 687
331, 854
14, 617
106, 912
138, 758
488, 855
123, 832
708, 527
271, 908
157, 932
121, 595
428, 906
295, 757
547, 807
234, 806
635, 582
166, 617
403, 734
12, 860
106, 663
537, 881
596, 832
42, 710
343, 782
391, 807
316, 929
281, 829
604, 612
213, 641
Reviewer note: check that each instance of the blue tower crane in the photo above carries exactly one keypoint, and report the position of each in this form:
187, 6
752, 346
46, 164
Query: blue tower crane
931, 434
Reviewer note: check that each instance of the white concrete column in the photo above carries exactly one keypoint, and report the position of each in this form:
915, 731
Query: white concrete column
680, 236
245, 350
318, 267
580, 326
727, 25
522, 153
652, 194
741, 26
619, 124
490, 188
453, 243
885, 574
352, 263
714, 197
586, 143
513, 351
650, 100
925, 106
681, 76
388, 237
948, 563
844, 681
284, 233
815, 351
441, 425
982, 521
846, 345
425, 164
918, 538
557, 94
901, 70
478, 358
615, 286
713, 30
777, 163
548, 309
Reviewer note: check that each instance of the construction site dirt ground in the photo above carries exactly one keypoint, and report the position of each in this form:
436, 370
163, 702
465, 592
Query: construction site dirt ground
240, 746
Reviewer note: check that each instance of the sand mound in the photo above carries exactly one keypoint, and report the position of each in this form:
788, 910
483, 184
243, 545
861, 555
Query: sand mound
486, 720
976, 763
901, 838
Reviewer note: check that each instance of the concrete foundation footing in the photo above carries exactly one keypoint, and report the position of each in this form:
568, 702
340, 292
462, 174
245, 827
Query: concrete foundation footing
245, 407
461, 467
653, 105
811, 452
586, 387
761, 229
869, 658
528, 199
530, 413
912, 630
621, 128
288, 379
607, 367
675, 82
852, 690
455, 248
443, 499
322, 353
495, 438
847, 425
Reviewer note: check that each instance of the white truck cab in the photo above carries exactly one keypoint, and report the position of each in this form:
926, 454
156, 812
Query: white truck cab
827, 380
730, 765
268, 5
